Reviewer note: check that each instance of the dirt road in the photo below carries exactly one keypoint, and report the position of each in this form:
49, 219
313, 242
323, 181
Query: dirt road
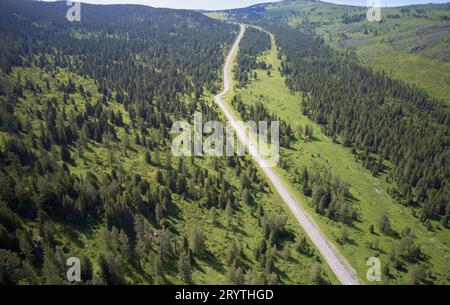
343, 271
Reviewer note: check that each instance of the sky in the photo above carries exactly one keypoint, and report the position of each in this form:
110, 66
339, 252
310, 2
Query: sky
228, 4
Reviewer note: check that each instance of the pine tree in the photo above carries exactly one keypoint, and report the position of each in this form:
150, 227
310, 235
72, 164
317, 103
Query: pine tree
316, 274
417, 274
123, 245
214, 217
444, 221
184, 267
343, 238
196, 241
148, 157
385, 223
25, 246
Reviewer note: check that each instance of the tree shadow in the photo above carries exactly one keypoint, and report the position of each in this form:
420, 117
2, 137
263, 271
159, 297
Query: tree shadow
213, 261
281, 274
350, 241
311, 139
351, 225
392, 233
237, 229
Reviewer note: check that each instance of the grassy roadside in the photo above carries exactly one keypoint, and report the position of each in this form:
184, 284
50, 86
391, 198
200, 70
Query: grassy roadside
370, 193
278, 200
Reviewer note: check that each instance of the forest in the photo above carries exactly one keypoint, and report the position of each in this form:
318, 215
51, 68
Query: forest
383, 119
260, 113
86, 171
85, 164
254, 43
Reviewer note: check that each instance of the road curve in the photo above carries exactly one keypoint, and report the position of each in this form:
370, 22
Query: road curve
343, 271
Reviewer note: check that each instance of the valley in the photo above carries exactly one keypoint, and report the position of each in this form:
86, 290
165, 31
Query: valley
369, 195
358, 194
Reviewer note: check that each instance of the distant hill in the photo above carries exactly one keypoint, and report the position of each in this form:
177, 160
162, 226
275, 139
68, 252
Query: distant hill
415, 35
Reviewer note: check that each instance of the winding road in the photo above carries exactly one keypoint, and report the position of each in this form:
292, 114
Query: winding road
342, 269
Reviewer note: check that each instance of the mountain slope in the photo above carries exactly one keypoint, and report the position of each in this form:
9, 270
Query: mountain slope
340, 161
412, 36
338, 265
85, 162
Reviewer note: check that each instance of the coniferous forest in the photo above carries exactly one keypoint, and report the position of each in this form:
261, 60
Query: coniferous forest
382, 119
86, 169
254, 43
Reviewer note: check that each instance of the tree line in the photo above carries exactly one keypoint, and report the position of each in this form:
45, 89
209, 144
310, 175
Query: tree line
382, 119
254, 43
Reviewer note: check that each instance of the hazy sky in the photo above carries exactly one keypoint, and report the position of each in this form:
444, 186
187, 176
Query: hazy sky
226, 4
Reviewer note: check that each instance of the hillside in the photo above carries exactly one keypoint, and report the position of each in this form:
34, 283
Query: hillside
87, 112
414, 36
352, 142
86, 170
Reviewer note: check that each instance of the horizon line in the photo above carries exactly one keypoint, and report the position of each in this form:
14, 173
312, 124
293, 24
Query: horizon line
234, 8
